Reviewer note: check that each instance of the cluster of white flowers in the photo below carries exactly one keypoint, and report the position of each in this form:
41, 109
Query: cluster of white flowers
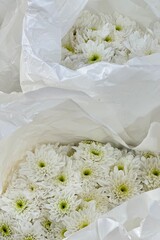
58, 190
114, 39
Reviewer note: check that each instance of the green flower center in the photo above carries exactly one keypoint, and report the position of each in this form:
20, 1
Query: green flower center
149, 155
47, 224
83, 225
5, 230
71, 152
62, 178
69, 48
88, 198
120, 167
63, 232
21, 204
30, 237
94, 58
93, 28
108, 39
156, 172
96, 152
63, 206
41, 164
80, 208
118, 28
87, 172
123, 189
32, 188
149, 52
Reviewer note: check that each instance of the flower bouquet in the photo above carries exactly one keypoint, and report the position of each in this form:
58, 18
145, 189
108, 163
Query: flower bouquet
87, 42
111, 38
63, 167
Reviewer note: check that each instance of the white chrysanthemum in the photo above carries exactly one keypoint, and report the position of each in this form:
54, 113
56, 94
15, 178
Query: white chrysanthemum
150, 172
139, 45
147, 155
28, 231
82, 38
7, 227
59, 231
62, 204
123, 26
120, 186
89, 173
66, 178
121, 55
19, 205
68, 48
96, 195
127, 163
74, 62
79, 220
65, 150
95, 52
32, 190
47, 226
42, 164
69, 63
106, 32
89, 20
96, 152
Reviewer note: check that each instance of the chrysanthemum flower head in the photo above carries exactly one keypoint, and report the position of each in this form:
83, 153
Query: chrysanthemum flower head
60, 231
7, 227
20, 205
66, 178
89, 20
127, 163
120, 186
139, 45
95, 152
79, 220
29, 231
100, 199
123, 25
67, 45
42, 164
89, 172
62, 204
147, 155
95, 52
150, 172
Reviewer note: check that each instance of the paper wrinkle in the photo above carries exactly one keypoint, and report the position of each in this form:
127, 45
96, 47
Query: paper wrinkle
47, 22
155, 6
12, 13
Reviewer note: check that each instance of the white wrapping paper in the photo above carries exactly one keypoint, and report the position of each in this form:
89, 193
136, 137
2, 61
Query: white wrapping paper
46, 22
11, 21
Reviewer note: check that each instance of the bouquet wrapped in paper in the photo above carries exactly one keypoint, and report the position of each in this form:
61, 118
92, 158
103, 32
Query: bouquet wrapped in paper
79, 45
68, 158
